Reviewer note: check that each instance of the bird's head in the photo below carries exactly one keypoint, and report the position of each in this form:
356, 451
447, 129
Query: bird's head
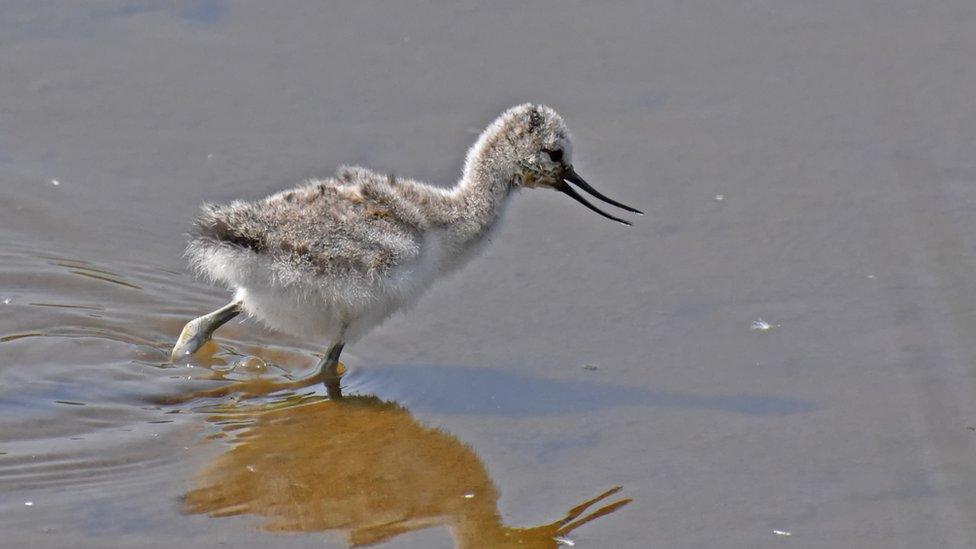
533, 144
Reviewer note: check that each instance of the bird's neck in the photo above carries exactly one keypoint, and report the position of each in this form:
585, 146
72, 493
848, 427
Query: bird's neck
482, 194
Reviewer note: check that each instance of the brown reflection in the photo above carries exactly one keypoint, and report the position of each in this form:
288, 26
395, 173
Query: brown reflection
366, 468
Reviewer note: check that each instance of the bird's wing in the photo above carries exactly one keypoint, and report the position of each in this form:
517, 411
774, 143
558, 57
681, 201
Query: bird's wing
350, 225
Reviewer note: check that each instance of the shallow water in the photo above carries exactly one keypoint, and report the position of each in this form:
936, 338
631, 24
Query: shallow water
89, 427
90, 430
807, 165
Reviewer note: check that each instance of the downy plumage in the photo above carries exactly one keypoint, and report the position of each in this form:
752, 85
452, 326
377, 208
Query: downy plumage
333, 258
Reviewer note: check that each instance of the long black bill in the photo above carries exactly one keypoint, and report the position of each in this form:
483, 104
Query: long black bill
575, 179
565, 188
572, 177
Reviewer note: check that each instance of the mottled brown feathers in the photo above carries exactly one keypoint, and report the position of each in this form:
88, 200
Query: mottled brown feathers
361, 226
211, 224
334, 258
356, 223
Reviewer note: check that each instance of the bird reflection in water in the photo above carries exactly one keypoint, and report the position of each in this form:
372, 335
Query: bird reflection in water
372, 473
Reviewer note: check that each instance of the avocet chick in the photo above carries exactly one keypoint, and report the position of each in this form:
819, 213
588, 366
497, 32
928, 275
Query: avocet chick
334, 258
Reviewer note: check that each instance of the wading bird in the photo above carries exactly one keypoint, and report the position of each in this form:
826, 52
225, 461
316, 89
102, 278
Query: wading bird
334, 258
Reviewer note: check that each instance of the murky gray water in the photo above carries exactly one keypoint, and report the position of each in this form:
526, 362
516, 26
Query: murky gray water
810, 164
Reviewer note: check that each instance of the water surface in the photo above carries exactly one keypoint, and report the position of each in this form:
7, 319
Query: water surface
807, 164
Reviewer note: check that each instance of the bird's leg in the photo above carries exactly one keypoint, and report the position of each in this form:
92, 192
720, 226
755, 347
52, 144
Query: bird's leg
330, 371
329, 374
198, 331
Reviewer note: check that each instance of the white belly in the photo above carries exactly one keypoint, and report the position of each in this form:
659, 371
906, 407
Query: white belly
321, 310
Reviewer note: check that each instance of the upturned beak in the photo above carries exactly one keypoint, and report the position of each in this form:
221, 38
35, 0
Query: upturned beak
570, 176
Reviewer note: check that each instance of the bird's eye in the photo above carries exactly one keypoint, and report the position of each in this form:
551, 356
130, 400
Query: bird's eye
556, 155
